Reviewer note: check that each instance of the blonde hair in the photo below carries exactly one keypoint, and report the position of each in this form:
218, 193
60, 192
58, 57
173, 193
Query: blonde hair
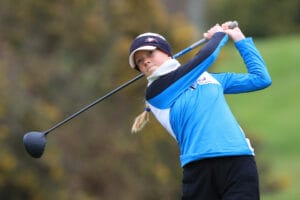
141, 120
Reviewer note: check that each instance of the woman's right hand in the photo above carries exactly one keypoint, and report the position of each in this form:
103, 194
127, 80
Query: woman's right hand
216, 28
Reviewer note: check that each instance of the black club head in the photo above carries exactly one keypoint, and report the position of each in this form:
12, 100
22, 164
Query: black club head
35, 143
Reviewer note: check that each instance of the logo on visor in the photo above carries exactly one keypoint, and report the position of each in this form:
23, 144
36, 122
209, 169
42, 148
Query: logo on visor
151, 39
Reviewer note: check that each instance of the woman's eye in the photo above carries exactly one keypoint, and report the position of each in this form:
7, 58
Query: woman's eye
137, 61
150, 53
140, 59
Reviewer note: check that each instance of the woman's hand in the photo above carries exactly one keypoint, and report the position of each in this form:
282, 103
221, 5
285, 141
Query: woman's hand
235, 34
216, 28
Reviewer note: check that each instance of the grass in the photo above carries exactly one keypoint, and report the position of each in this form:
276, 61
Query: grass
272, 115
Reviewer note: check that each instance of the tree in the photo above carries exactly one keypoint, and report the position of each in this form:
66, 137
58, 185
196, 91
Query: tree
82, 46
258, 18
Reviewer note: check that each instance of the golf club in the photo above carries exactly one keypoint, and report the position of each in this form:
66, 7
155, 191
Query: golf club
35, 141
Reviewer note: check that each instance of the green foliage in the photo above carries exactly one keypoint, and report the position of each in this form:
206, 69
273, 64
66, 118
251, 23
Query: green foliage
259, 17
56, 57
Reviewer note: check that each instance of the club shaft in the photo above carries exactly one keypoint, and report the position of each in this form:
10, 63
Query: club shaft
200, 42
191, 47
94, 103
182, 52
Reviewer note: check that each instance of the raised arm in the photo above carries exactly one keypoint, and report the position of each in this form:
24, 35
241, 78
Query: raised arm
257, 76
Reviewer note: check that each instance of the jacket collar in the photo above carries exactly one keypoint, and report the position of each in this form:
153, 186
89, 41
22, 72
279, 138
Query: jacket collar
168, 66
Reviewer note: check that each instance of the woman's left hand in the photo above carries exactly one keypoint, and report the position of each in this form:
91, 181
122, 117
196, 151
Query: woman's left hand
235, 33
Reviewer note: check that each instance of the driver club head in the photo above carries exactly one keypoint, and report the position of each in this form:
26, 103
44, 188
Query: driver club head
35, 143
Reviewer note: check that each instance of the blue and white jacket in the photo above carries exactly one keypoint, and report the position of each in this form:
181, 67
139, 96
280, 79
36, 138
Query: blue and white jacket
189, 102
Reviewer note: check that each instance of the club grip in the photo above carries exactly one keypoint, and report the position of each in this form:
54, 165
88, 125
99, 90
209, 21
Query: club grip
233, 25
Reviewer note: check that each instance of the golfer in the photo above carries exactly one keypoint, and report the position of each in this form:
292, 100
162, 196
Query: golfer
216, 157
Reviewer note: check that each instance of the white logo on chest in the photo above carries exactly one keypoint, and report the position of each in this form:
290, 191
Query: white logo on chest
206, 78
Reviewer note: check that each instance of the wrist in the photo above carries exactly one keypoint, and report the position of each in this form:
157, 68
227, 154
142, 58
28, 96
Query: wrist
239, 38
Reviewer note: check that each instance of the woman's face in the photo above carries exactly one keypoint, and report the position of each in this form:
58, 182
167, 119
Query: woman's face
148, 61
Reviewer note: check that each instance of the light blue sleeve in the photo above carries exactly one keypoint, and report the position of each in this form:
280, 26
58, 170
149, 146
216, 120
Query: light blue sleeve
257, 77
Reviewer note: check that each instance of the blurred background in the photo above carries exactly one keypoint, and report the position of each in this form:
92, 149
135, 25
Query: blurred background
58, 56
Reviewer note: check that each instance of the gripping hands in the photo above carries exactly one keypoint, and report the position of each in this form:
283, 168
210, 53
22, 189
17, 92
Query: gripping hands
231, 28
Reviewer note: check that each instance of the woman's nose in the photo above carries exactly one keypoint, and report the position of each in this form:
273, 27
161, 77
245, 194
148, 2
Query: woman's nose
147, 61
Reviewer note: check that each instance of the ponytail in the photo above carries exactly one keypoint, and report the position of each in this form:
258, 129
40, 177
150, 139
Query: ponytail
140, 121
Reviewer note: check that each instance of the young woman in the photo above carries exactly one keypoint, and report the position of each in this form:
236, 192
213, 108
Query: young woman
217, 159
